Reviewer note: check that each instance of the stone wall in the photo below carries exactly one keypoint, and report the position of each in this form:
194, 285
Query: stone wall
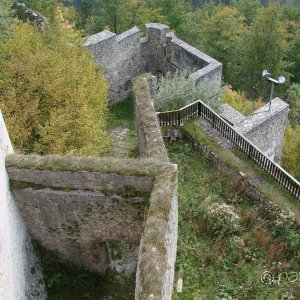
120, 59
265, 128
157, 254
20, 275
102, 213
148, 130
126, 56
93, 219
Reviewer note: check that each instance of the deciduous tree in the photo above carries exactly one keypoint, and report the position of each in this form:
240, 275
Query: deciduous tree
53, 97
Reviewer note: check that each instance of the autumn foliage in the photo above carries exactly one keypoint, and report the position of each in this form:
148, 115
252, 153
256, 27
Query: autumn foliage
53, 97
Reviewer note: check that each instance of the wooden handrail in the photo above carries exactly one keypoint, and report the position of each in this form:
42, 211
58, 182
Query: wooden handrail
200, 109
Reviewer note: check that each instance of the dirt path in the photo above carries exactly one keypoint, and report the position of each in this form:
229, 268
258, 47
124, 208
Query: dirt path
121, 142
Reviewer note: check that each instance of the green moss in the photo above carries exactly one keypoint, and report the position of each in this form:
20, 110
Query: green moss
115, 249
147, 120
122, 114
126, 192
20, 185
105, 165
71, 230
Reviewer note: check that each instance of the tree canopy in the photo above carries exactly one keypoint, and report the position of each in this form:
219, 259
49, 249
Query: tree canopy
53, 97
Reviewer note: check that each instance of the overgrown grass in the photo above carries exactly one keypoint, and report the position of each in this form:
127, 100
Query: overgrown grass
213, 266
241, 163
64, 281
122, 115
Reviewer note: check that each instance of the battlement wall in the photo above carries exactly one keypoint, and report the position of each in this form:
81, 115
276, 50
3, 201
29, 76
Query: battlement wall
127, 56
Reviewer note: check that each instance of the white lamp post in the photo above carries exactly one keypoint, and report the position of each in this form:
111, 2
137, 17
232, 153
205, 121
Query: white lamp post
280, 80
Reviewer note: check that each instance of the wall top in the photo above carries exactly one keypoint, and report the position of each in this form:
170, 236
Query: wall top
157, 26
99, 37
262, 115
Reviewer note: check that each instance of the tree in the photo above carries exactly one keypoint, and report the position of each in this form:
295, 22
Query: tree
174, 11
46, 7
293, 98
6, 19
138, 14
85, 12
121, 15
292, 15
266, 47
291, 151
239, 101
248, 8
219, 31
53, 97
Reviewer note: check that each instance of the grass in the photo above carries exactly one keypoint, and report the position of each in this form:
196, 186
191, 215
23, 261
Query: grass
212, 267
64, 281
122, 115
241, 163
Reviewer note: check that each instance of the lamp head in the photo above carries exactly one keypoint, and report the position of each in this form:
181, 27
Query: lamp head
281, 79
265, 73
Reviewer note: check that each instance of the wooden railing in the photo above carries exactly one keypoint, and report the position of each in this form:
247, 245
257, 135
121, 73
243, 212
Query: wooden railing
200, 109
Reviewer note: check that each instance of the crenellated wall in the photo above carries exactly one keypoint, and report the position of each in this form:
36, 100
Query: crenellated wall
126, 56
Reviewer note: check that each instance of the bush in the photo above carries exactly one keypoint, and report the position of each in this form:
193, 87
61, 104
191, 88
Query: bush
53, 97
293, 98
177, 90
291, 150
239, 102
220, 217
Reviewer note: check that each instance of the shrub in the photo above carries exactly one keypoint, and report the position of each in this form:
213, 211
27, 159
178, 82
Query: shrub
291, 150
219, 216
239, 101
177, 90
293, 96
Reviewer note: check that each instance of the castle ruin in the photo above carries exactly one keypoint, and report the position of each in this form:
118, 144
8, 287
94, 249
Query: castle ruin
80, 207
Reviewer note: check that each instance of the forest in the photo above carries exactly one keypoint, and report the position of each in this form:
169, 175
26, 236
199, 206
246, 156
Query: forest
247, 36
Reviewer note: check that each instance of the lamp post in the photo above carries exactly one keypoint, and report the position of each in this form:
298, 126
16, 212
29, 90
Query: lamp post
279, 80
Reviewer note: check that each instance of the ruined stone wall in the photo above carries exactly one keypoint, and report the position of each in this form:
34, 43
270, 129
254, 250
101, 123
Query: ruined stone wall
157, 254
150, 140
20, 274
126, 56
120, 59
265, 128
93, 219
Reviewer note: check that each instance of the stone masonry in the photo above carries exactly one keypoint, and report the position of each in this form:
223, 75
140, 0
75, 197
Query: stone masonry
264, 128
123, 57
83, 216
